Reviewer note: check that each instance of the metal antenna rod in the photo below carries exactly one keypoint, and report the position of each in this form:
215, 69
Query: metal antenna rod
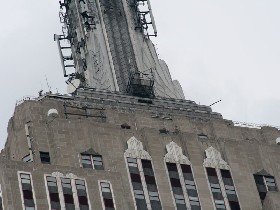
48, 83
216, 102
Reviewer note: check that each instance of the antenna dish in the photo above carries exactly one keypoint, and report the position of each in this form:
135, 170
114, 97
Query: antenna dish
73, 85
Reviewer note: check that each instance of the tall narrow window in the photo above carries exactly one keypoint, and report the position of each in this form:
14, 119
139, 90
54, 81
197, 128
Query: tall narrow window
265, 182
176, 186
142, 176
215, 188
82, 194
53, 193
137, 184
67, 192
181, 179
27, 191
220, 181
151, 184
91, 159
191, 187
107, 196
230, 189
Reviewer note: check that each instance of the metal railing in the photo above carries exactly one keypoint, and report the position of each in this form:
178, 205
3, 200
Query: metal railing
253, 125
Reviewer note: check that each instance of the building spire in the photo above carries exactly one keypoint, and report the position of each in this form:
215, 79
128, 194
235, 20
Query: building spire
106, 43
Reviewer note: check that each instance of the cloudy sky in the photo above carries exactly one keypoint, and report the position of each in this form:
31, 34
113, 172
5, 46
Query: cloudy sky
219, 50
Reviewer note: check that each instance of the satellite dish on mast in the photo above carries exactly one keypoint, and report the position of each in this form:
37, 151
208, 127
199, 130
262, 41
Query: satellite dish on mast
73, 85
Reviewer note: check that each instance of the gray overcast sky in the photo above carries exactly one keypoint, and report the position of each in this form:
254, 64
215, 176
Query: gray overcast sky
217, 49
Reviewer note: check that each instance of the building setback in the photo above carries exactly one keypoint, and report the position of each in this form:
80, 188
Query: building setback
152, 154
125, 139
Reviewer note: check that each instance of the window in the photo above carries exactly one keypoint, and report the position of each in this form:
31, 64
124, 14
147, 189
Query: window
107, 195
218, 174
181, 179
45, 157
190, 186
27, 191
82, 194
27, 159
92, 161
67, 193
265, 183
230, 189
125, 126
142, 177
176, 186
215, 188
53, 193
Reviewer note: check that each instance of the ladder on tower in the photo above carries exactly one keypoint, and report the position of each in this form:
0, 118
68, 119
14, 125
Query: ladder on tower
67, 60
144, 17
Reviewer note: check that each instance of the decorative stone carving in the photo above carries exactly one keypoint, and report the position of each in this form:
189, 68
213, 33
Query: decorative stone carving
71, 176
214, 159
57, 174
136, 149
175, 154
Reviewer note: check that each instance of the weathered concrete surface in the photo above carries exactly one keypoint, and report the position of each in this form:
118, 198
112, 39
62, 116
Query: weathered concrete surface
246, 150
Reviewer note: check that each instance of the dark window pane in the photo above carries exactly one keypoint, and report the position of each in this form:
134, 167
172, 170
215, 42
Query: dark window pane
146, 164
55, 205
261, 188
186, 168
141, 204
173, 174
225, 173
259, 179
29, 203
83, 200
195, 208
181, 206
152, 187
70, 206
234, 205
218, 196
54, 197
45, 157
27, 194
133, 170
175, 182
26, 186
137, 185
150, 179
228, 181
177, 190
98, 167
87, 165
192, 193
156, 205
135, 178
188, 176
272, 188
211, 172
262, 195
68, 199
172, 167
108, 203
213, 179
